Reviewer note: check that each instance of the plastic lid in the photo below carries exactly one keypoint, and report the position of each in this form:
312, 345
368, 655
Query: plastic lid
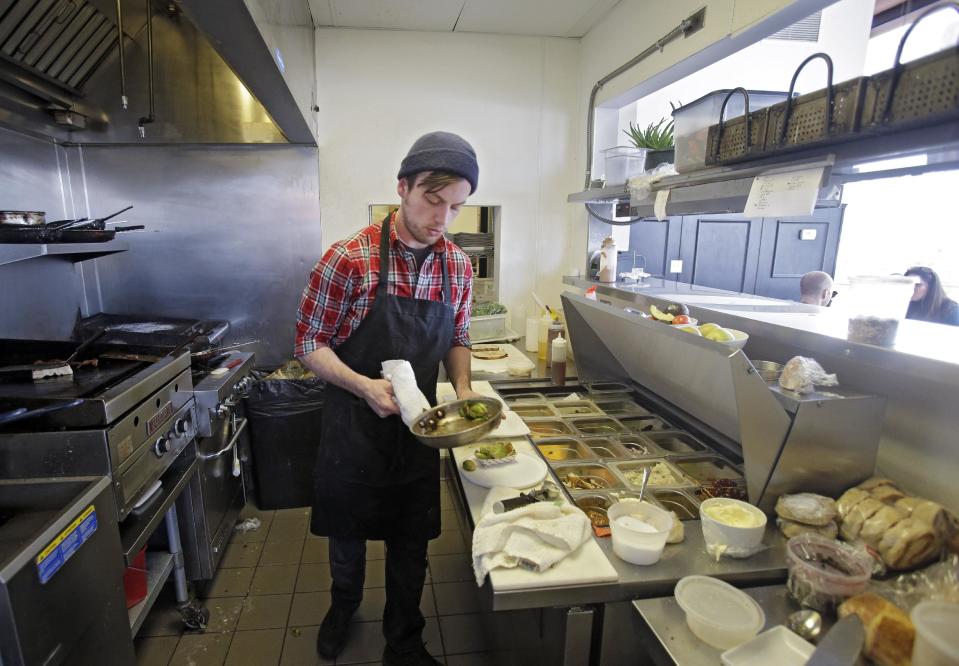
936, 622
719, 604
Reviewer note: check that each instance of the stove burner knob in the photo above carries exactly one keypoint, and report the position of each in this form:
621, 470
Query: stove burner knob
222, 411
161, 447
181, 426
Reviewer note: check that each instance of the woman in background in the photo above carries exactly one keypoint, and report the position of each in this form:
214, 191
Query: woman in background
929, 300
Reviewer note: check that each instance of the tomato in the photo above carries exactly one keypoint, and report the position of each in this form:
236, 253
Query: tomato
680, 319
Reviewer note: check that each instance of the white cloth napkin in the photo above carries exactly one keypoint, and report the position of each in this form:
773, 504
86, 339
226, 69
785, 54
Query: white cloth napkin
534, 537
407, 394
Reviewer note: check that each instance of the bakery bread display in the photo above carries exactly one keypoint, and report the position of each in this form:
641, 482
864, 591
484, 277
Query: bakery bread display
889, 631
791, 528
807, 508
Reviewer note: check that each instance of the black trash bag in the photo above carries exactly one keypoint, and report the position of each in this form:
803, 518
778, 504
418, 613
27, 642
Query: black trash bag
284, 416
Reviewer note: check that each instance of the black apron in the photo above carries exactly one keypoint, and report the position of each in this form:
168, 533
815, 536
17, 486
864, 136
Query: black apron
373, 478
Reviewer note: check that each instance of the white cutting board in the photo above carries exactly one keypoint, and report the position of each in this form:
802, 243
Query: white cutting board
523, 472
585, 566
501, 365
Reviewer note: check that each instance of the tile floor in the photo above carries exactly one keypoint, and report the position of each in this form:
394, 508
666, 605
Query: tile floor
273, 589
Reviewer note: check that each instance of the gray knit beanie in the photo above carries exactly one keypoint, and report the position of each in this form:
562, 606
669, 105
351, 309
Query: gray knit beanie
442, 151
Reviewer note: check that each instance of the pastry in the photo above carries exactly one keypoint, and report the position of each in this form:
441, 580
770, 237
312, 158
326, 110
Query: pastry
908, 544
889, 631
488, 353
791, 528
807, 508
849, 499
857, 516
887, 494
907, 504
870, 484
879, 523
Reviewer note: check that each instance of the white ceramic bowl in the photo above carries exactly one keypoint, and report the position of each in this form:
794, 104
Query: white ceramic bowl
717, 613
639, 547
734, 540
739, 339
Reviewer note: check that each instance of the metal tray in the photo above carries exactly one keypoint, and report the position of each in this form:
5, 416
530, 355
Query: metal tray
601, 426
739, 138
639, 447
606, 447
593, 471
678, 502
593, 502
575, 408
548, 429
706, 469
676, 442
620, 407
621, 469
604, 388
520, 398
530, 410
564, 450
646, 424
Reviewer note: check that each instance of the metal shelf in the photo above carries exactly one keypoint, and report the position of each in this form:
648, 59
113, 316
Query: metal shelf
14, 252
159, 567
724, 189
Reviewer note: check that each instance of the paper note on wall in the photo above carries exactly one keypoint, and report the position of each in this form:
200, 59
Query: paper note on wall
784, 194
659, 207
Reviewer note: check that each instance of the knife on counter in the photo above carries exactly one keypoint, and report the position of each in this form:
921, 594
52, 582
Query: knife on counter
842, 645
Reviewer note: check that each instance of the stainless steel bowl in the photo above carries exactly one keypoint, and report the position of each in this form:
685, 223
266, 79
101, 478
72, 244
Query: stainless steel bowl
768, 370
443, 428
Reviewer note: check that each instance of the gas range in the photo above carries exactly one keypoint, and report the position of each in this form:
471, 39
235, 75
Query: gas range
218, 390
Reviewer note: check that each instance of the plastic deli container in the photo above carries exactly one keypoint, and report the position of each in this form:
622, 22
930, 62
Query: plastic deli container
717, 613
777, 646
825, 572
691, 122
622, 163
639, 531
937, 641
876, 304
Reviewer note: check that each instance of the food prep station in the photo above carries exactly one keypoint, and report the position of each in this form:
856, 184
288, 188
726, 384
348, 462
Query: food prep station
698, 414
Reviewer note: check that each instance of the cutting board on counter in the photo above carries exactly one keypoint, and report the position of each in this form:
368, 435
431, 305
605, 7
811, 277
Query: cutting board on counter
500, 366
587, 565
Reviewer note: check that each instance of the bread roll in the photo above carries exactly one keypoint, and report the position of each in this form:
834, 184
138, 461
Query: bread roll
807, 508
909, 543
889, 631
907, 504
879, 523
849, 499
857, 516
791, 528
870, 484
887, 494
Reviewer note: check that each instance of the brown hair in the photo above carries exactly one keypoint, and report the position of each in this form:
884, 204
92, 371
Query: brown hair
929, 307
434, 180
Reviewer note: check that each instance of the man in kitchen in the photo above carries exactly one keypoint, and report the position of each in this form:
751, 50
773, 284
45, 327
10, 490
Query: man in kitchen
394, 290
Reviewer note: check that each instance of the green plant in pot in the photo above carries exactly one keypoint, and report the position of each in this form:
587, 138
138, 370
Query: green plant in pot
657, 139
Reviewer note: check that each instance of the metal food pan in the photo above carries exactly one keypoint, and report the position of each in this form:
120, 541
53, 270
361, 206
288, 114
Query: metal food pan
564, 450
548, 429
593, 502
678, 502
620, 407
706, 469
645, 424
575, 408
676, 442
601, 388
600, 426
518, 398
606, 447
622, 469
593, 471
640, 447
533, 410
560, 392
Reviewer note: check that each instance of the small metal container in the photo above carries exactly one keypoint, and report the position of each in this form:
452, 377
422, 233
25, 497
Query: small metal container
644, 424
768, 370
565, 450
604, 447
596, 472
533, 410
608, 387
620, 407
572, 408
519, 398
677, 443
631, 474
678, 502
597, 504
548, 429
706, 469
602, 426
639, 447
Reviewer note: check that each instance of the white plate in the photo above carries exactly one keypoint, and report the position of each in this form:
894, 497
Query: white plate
525, 472
777, 646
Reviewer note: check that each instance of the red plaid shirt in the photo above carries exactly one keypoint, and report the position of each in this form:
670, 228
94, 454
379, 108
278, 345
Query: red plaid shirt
343, 283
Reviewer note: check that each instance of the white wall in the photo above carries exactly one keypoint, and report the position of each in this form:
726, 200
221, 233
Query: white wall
513, 98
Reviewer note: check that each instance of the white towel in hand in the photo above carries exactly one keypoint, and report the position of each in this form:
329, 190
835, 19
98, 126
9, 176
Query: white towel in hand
534, 537
407, 394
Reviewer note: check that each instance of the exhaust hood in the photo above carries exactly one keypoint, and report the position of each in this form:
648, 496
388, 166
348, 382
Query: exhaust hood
208, 78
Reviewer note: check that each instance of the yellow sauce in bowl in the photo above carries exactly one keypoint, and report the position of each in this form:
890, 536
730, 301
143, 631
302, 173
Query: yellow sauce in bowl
733, 515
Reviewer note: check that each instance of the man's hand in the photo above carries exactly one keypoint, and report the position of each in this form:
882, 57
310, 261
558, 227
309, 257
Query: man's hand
378, 394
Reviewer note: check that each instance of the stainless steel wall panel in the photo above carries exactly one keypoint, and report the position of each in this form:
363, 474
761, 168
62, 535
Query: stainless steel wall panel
232, 233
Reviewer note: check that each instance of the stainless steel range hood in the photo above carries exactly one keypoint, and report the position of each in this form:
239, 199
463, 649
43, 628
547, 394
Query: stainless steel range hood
215, 80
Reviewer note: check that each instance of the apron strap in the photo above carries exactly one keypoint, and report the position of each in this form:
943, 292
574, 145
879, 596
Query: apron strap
385, 264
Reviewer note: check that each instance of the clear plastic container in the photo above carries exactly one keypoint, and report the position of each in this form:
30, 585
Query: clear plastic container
717, 613
883, 296
639, 546
824, 572
691, 122
622, 163
937, 642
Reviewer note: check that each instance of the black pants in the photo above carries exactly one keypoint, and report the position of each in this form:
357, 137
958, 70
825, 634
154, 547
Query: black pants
405, 575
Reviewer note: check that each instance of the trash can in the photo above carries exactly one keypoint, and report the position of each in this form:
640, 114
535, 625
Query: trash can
284, 418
